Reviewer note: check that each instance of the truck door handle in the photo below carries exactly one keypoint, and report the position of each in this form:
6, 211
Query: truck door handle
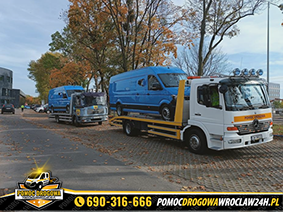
138, 94
147, 94
197, 114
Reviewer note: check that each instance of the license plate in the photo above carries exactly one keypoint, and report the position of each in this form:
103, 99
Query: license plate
8, 108
256, 138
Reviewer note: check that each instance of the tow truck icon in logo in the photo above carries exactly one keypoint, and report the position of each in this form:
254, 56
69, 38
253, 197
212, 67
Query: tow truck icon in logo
37, 180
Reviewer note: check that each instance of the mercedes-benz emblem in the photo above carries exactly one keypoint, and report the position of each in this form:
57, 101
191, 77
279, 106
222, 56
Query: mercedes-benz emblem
256, 124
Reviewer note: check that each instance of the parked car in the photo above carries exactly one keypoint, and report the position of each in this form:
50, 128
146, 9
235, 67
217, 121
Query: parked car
42, 109
8, 108
35, 107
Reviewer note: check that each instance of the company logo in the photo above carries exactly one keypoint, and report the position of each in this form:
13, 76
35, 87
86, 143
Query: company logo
39, 189
256, 124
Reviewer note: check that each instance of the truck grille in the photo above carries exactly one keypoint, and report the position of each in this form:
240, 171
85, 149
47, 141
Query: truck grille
95, 111
253, 127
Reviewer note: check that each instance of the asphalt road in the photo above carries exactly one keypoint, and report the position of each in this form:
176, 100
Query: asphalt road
24, 146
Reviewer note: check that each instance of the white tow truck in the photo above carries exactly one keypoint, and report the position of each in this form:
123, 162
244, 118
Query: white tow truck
221, 113
86, 107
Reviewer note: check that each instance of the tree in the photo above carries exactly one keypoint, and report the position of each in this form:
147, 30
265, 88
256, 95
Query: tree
39, 71
188, 60
218, 19
70, 73
145, 33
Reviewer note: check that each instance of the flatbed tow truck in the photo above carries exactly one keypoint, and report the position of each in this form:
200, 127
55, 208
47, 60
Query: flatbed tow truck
85, 108
237, 121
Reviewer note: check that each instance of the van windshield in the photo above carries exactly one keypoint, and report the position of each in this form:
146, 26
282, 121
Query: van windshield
70, 92
34, 175
172, 79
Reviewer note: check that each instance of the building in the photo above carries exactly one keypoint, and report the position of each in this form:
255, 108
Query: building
274, 91
7, 93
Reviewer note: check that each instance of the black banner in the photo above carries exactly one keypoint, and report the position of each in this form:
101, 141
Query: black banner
66, 199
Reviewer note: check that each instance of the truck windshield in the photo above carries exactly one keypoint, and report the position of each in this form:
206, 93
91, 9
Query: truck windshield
34, 175
172, 79
246, 97
94, 100
70, 92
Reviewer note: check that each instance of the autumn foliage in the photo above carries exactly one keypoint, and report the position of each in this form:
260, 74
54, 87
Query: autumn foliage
113, 36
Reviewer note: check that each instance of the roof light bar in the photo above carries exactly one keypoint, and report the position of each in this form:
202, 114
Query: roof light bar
245, 72
259, 72
252, 72
236, 72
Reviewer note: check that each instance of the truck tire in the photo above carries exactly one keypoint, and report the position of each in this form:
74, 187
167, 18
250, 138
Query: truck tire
75, 122
166, 112
196, 141
129, 128
100, 123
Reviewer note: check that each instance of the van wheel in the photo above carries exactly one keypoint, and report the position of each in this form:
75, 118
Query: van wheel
57, 119
67, 109
129, 128
39, 187
166, 113
196, 141
120, 111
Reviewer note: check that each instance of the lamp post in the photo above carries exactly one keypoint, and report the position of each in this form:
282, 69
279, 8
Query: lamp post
268, 6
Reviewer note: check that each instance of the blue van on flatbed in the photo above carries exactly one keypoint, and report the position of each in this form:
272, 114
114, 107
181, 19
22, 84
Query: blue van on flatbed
147, 90
59, 98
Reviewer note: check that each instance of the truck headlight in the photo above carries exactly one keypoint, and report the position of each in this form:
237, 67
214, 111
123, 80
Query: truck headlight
236, 141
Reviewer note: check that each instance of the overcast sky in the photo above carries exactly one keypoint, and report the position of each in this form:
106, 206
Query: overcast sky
26, 28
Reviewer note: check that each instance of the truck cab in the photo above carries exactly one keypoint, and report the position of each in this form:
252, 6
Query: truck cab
89, 107
230, 112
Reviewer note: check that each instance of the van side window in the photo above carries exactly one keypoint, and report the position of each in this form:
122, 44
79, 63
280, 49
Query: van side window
153, 83
141, 82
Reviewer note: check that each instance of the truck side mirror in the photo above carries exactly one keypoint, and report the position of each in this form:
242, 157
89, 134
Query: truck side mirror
64, 96
223, 89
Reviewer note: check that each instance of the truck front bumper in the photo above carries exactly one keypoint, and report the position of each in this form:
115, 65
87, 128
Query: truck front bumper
233, 140
92, 119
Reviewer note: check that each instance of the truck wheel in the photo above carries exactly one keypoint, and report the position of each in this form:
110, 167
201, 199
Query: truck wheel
129, 129
196, 141
100, 123
75, 122
166, 113
52, 109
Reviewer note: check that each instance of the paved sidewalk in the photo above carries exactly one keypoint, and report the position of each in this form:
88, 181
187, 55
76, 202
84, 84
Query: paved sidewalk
255, 169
